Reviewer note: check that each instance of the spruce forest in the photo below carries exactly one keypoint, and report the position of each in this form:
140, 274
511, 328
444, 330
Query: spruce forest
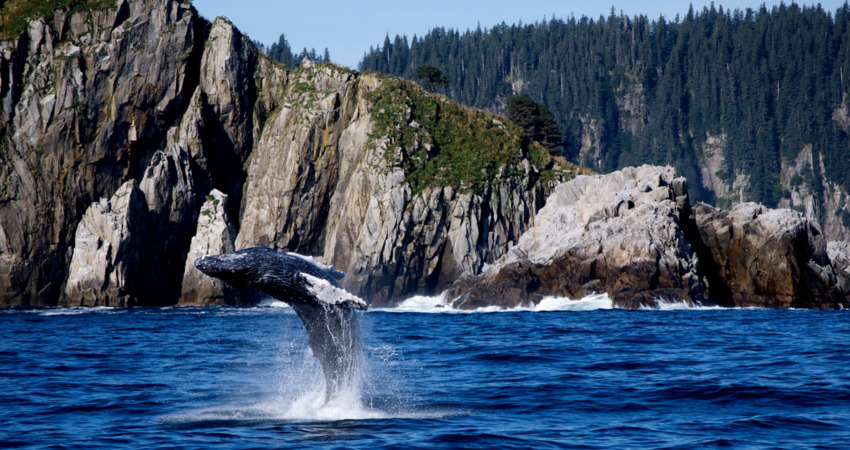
727, 97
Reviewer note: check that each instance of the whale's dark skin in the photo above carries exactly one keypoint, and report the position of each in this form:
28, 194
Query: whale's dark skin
333, 332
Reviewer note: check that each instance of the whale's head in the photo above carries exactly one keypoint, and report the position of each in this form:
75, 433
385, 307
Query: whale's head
286, 276
236, 268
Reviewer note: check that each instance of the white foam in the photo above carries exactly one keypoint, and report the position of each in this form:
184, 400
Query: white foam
328, 293
423, 303
673, 305
271, 302
75, 310
590, 303
441, 304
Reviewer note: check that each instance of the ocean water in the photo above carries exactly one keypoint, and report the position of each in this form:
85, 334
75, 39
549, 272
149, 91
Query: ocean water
568, 374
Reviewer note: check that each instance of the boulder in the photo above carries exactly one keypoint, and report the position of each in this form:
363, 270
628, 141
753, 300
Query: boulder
618, 233
774, 258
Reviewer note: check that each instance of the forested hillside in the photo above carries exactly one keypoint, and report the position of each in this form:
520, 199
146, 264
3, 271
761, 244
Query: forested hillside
749, 105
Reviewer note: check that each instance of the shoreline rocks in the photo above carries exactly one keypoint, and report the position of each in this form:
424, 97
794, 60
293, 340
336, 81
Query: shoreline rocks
633, 235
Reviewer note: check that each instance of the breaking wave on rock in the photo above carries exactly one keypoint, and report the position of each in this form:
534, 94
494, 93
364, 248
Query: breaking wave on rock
442, 304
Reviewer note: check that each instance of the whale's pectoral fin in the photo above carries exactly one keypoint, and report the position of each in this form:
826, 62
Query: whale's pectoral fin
327, 293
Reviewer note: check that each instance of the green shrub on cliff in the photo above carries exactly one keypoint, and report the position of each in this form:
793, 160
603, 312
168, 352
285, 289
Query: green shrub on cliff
440, 143
15, 15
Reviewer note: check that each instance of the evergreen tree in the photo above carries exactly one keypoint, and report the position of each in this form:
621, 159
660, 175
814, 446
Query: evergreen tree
282, 53
537, 121
764, 82
431, 77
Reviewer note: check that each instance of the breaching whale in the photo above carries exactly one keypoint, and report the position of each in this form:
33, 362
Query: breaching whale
312, 290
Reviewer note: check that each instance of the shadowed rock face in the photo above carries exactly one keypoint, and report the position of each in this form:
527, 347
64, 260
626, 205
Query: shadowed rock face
325, 309
775, 258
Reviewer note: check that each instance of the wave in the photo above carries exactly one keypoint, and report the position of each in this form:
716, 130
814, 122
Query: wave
76, 310
441, 304
670, 305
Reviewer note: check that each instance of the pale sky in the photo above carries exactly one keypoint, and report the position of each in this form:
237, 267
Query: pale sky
348, 27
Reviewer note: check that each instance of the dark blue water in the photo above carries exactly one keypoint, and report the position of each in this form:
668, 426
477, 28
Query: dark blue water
242, 378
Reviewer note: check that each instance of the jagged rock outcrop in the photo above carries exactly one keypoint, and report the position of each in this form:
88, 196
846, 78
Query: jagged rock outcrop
104, 262
129, 250
839, 255
86, 100
767, 257
215, 235
317, 187
619, 233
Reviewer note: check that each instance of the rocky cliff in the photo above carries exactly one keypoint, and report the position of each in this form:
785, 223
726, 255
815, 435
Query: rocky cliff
135, 136
139, 137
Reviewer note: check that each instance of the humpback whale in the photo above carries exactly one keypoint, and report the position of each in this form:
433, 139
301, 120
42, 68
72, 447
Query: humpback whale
312, 290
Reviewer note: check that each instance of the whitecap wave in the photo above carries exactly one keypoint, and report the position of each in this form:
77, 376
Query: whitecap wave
422, 303
590, 303
442, 304
76, 310
271, 302
674, 305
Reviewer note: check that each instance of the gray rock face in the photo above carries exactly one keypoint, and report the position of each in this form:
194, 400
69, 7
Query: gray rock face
315, 187
619, 233
104, 263
86, 102
839, 255
214, 236
128, 249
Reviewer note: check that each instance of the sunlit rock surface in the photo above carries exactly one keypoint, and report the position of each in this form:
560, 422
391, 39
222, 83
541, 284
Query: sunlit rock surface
214, 236
619, 233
